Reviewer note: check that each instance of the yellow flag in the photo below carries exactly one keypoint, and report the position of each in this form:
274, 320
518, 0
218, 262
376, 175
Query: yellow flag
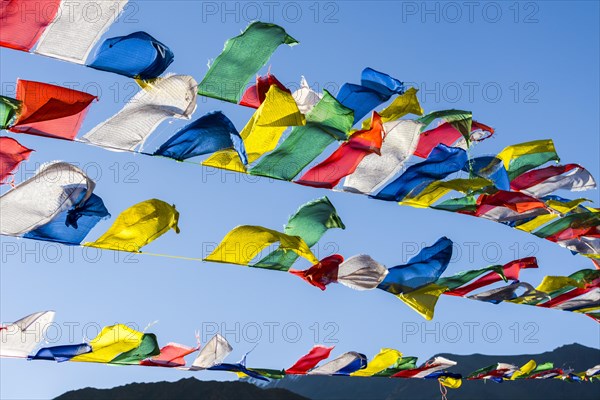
524, 370
529, 148
450, 382
423, 300
243, 243
110, 342
138, 225
564, 207
406, 103
262, 133
536, 222
551, 283
383, 360
438, 189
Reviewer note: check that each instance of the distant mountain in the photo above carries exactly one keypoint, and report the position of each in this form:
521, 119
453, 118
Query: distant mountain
573, 356
183, 389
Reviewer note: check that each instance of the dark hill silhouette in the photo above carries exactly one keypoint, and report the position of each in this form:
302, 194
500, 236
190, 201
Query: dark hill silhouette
573, 356
184, 389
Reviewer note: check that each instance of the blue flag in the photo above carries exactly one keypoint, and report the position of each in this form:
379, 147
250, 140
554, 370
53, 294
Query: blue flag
375, 89
72, 226
208, 134
442, 161
137, 55
489, 167
423, 269
61, 353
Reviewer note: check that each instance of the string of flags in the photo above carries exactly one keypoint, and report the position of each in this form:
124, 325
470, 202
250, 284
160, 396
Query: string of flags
121, 345
509, 188
58, 204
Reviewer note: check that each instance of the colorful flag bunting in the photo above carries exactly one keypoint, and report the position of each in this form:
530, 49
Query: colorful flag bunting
310, 360
382, 360
110, 342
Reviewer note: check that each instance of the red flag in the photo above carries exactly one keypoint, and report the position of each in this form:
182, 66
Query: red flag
346, 158
256, 94
446, 134
309, 361
172, 355
323, 273
50, 110
511, 271
23, 21
536, 176
12, 153
518, 202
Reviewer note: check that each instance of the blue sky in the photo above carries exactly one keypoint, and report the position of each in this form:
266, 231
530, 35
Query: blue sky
528, 69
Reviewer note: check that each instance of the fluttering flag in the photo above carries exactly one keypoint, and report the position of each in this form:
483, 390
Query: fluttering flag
263, 131
461, 285
310, 360
208, 134
21, 30
137, 55
243, 243
213, 353
148, 348
496, 372
55, 188
401, 137
242, 58
504, 206
430, 367
305, 97
138, 226
171, 356
170, 97
489, 167
421, 270
9, 109
526, 369
544, 181
323, 273
71, 226
310, 223
442, 162
255, 95
21, 337
110, 342
326, 122
72, 34
436, 190
344, 160
361, 272
49, 110
61, 353
406, 103
510, 293
446, 134
12, 153
375, 88
401, 364
572, 226
458, 119
520, 158
345, 364
382, 360
423, 299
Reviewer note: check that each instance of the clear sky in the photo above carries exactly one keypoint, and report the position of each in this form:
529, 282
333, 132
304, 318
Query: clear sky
528, 69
